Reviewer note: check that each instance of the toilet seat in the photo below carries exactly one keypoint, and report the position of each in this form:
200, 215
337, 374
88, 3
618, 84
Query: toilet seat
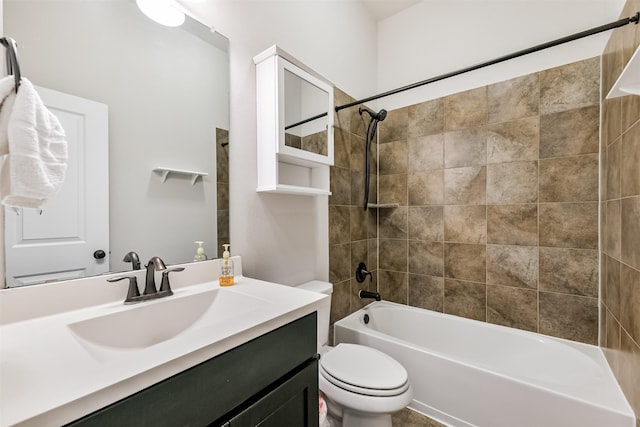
364, 370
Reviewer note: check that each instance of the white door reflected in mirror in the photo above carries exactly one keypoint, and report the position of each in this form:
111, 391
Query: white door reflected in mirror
60, 242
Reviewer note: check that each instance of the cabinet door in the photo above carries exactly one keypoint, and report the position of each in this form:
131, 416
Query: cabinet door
293, 403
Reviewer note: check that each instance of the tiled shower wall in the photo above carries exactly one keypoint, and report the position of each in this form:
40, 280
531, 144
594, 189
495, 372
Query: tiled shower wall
497, 192
620, 219
222, 193
352, 230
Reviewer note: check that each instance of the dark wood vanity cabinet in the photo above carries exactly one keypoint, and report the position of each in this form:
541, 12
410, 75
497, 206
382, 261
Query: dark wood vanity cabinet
269, 381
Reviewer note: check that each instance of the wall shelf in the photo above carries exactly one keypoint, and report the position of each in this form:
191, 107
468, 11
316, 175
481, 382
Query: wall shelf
294, 189
164, 172
629, 81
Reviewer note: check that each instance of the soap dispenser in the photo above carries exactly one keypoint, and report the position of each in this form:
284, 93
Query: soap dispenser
200, 255
226, 271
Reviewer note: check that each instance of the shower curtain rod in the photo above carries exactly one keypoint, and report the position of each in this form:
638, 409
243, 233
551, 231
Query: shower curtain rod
620, 23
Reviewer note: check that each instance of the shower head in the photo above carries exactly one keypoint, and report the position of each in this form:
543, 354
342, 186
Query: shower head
379, 116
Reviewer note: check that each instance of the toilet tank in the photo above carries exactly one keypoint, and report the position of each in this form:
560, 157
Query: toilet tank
323, 313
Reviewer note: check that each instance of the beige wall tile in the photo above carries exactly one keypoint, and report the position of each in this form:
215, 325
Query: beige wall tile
630, 235
392, 188
426, 153
465, 224
613, 241
392, 223
393, 158
630, 162
465, 109
512, 266
394, 126
569, 179
357, 223
339, 262
340, 301
341, 148
467, 147
515, 140
426, 188
612, 166
340, 186
511, 183
630, 106
426, 223
569, 316
570, 132
570, 86
465, 186
513, 307
426, 118
569, 271
357, 152
426, 292
513, 224
466, 299
426, 258
338, 224
612, 112
393, 286
514, 99
569, 225
465, 261
393, 254
611, 286
630, 301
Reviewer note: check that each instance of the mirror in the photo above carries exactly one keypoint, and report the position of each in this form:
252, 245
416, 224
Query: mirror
167, 95
305, 115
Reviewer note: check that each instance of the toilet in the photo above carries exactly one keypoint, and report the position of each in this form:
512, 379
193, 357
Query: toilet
361, 385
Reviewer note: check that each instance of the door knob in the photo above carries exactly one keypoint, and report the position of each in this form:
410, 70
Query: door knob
99, 254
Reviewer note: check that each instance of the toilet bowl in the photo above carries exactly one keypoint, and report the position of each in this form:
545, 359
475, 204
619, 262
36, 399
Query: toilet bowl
361, 385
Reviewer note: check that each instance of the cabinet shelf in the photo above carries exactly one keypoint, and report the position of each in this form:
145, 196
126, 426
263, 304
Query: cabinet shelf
294, 189
164, 172
628, 82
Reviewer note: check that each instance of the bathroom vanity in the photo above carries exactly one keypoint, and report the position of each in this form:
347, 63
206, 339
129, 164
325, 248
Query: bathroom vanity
269, 381
74, 354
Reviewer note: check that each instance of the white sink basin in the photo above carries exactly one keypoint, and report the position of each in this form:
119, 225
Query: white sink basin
145, 324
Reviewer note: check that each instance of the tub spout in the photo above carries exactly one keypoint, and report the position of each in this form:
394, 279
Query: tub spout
367, 294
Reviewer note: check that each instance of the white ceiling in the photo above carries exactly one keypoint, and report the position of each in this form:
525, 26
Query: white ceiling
382, 9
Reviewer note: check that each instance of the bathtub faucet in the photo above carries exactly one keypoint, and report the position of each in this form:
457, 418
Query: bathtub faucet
367, 294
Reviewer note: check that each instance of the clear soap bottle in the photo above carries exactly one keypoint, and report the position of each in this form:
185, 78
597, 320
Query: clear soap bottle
226, 271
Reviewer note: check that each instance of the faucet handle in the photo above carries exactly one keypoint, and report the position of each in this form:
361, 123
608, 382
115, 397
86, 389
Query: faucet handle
133, 291
164, 285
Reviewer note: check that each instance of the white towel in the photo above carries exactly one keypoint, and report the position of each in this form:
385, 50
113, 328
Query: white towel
36, 162
7, 97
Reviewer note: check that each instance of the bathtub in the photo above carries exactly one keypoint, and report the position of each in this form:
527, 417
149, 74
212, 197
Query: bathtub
469, 373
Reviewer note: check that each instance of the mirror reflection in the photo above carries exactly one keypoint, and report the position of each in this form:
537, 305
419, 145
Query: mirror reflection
165, 94
304, 102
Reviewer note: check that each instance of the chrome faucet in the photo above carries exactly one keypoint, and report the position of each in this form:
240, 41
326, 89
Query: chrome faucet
150, 291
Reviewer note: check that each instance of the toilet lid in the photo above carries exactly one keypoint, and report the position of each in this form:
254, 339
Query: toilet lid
364, 367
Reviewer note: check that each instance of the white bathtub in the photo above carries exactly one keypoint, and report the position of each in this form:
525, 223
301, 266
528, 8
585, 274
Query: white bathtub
470, 373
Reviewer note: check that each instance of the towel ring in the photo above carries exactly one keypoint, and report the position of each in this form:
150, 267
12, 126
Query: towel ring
13, 67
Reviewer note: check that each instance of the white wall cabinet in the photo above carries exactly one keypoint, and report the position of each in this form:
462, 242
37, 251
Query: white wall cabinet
295, 114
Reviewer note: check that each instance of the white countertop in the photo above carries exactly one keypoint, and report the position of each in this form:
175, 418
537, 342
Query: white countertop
48, 377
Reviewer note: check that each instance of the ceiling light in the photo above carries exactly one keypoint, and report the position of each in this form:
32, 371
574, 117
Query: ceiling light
162, 11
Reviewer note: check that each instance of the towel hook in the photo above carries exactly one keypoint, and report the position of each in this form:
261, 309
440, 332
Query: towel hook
13, 67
